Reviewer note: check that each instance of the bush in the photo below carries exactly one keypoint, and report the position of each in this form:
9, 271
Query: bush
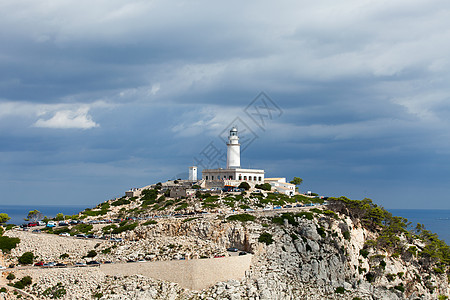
92, 253
26, 280
346, 235
265, 238
264, 186
340, 290
370, 277
399, 288
150, 222
121, 201
125, 227
7, 243
3, 290
244, 185
241, 217
364, 253
26, 258
11, 276
285, 216
83, 228
55, 292
321, 232
64, 255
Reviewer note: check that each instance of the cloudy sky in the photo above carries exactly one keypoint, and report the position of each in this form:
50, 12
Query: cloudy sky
98, 97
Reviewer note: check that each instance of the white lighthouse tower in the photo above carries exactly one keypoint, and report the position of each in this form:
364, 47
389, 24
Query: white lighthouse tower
233, 150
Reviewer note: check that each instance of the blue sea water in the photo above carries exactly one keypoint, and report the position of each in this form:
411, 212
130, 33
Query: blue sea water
17, 213
435, 220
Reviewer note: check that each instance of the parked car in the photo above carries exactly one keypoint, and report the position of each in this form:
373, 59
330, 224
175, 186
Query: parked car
81, 235
39, 264
49, 264
233, 249
64, 234
288, 206
79, 264
277, 207
92, 262
107, 262
219, 256
61, 265
41, 223
242, 253
2, 267
62, 223
36, 231
32, 224
51, 224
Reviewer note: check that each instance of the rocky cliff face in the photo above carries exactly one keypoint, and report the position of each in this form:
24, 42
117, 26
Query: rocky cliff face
311, 256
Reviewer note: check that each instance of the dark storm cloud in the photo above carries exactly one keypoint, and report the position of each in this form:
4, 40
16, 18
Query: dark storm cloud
125, 94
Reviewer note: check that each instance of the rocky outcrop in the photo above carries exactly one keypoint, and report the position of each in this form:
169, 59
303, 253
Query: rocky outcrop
316, 258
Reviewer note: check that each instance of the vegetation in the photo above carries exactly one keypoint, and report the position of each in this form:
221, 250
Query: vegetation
264, 186
189, 219
340, 290
11, 276
124, 227
22, 283
241, 217
91, 253
121, 201
4, 218
55, 292
265, 238
26, 258
34, 216
64, 256
150, 222
7, 243
244, 185
82, 228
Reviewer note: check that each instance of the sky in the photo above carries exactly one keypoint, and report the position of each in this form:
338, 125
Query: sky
99, 97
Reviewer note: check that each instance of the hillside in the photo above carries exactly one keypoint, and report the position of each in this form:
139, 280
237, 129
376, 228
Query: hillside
346, 249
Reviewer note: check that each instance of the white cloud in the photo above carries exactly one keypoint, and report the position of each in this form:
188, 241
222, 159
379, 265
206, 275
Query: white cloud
65, 119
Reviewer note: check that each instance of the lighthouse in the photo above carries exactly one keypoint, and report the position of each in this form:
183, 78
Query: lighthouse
233, 150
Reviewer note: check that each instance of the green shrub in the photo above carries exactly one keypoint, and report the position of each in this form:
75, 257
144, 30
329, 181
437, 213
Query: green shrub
82, 228
121, 201
150, 222
265, 238
340, 290
285, 216
11, 276
92, 253
399, 288
438, 270
364, 253
125, 227
107, 250
370, 277
55, 292
305, 214
3, 290
109, 228
321, 232
264, 186
18, 285
244, 185
189, 219
7, 243
241, 217
97, 295
26, 258
346, 235
64, 256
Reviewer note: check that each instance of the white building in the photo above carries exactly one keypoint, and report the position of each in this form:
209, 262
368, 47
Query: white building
193, 173
281, 185
233, 175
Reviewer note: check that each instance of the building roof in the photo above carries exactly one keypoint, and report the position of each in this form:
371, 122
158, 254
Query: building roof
274, 179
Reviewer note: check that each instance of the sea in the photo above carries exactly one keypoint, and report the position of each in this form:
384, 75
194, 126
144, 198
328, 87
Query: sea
17, 213
437, 221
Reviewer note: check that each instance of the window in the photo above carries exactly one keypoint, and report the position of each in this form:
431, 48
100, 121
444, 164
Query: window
240, 177
245, 177
259, 178
206, 177
254, 178
212, 177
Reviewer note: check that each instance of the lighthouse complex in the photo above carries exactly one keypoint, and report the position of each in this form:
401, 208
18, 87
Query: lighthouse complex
233, 174
221, 179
